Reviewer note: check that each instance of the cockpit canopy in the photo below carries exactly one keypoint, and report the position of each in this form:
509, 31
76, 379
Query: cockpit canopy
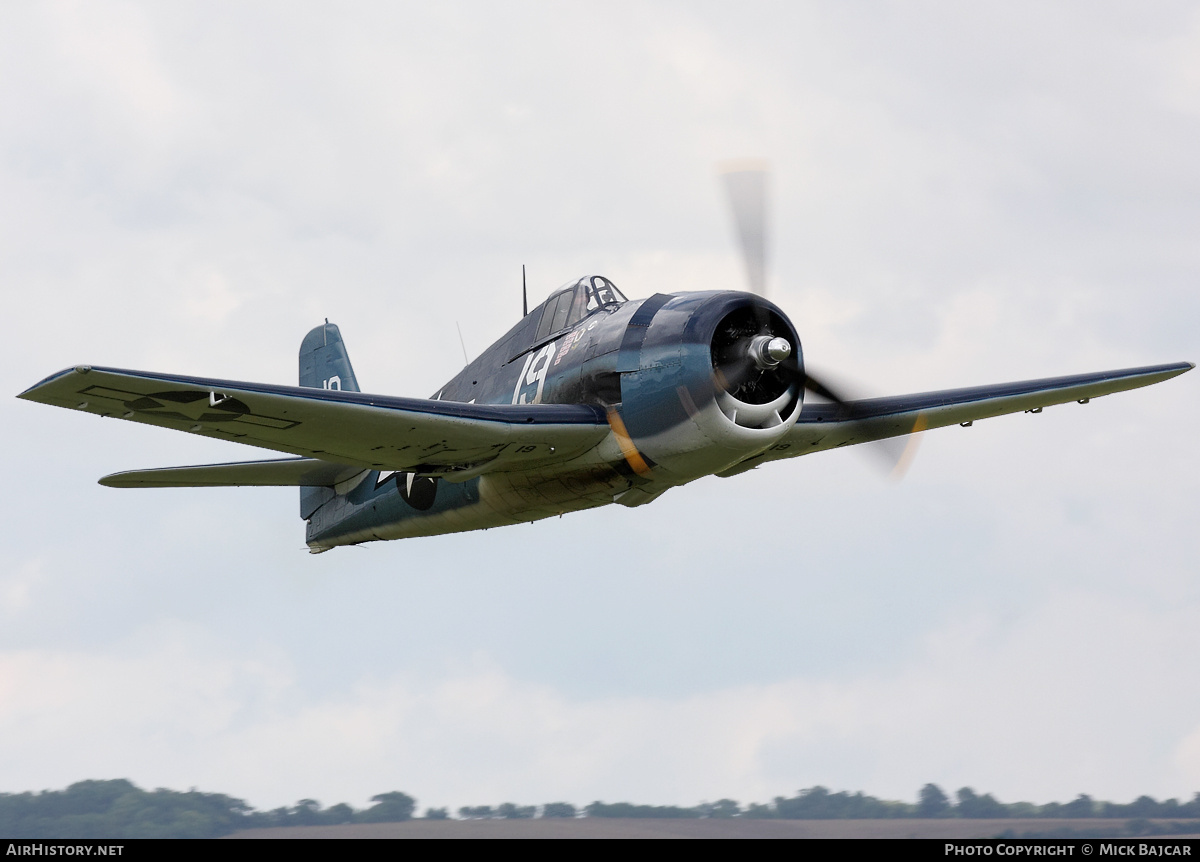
576, 301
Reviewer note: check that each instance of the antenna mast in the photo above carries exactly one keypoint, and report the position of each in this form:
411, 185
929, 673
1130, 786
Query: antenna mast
524, 295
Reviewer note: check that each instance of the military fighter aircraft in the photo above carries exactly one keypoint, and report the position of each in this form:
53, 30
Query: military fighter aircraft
590, 399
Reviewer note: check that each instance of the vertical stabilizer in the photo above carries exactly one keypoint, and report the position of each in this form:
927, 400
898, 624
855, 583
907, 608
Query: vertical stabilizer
324, 364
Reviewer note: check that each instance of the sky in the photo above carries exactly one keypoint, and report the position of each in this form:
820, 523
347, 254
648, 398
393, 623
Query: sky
961, 194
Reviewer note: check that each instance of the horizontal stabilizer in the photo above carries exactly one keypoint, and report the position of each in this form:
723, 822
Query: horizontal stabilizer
287, 472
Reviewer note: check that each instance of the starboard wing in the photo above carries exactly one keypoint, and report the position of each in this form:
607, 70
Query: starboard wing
352, 429
829, 426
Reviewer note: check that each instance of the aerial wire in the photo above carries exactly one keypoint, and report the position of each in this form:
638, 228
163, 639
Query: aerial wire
462, 343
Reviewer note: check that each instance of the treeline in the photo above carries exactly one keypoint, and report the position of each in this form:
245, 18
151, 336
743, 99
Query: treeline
933, 802
120, 809
818, 803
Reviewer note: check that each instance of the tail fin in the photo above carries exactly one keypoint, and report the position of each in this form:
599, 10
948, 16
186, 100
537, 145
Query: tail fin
324, 363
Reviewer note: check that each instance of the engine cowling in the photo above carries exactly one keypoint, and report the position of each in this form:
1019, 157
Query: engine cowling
716, 378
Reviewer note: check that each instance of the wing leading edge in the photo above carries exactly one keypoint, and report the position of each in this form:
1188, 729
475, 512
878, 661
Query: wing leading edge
829, 426
346, 429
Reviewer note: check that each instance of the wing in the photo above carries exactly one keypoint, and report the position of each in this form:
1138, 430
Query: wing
350, 429
829, 426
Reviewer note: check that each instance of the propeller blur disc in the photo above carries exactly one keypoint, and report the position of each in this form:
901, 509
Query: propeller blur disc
745, 184
734, 358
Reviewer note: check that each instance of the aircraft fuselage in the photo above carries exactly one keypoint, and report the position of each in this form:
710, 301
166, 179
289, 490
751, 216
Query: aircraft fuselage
651, 365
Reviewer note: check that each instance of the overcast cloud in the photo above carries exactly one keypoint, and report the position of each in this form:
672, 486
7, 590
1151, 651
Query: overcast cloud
961, 195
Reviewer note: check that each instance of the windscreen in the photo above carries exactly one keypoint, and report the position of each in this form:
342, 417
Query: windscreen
568, 307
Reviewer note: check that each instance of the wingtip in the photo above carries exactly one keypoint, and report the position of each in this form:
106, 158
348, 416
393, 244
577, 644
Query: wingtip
1174, 369
28, 393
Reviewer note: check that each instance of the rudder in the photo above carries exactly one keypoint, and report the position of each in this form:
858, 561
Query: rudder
324, 363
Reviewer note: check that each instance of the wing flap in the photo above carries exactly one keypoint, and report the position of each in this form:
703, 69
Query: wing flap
828, 426
350, 428
286, 472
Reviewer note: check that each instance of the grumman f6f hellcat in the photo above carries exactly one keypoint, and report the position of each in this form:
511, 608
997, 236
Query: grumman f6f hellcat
591, 399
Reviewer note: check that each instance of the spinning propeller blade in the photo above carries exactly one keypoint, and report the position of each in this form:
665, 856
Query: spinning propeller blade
893, 455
